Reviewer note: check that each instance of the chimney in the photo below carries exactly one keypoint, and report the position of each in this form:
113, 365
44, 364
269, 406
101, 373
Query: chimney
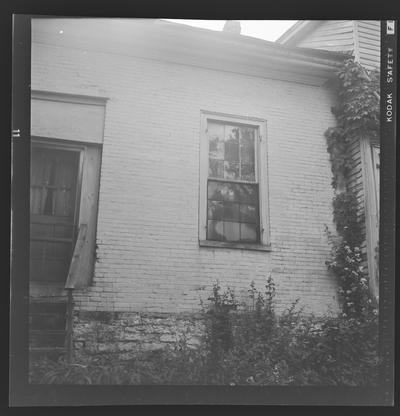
232, 26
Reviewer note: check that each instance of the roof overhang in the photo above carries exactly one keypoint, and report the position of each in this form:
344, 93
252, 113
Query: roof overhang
296, 32
181, 44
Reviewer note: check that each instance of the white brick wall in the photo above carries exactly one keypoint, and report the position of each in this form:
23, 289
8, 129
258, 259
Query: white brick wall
149, 257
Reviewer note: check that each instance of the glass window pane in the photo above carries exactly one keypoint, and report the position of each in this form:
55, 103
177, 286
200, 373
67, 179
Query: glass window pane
63, 203
247, 154
215, 210
36, 197
223, 191
248, 233
248, 193
232, 143
232, 231
247, 173
231, 170
231, 211
214, 190
216, 168
248, 213
216, 140
215, 230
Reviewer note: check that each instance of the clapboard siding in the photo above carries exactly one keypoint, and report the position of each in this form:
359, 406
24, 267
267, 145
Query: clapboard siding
334, 35
370, 24
368, 40
362, 37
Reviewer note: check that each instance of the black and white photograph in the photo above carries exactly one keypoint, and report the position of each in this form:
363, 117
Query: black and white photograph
204, 202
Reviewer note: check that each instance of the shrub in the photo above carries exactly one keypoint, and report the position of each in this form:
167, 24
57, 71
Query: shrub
243, 345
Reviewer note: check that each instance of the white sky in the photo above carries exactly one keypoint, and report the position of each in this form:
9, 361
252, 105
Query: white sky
262, 29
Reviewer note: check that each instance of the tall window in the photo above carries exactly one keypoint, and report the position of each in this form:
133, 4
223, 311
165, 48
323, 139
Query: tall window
233, 200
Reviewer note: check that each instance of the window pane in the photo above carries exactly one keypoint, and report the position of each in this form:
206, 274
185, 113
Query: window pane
218, 210
231, 152
216, 168
215, 210
248, 233
248, 173
216, 143
248, 213
216, 150
234, 192
232, 143
223, 191
248, 193
231, 170
247, 145
231, 211
231, 231
215, 230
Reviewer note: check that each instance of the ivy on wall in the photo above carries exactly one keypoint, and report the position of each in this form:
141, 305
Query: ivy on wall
357, 116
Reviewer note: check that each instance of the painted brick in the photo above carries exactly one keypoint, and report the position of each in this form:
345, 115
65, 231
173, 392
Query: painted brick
147, 233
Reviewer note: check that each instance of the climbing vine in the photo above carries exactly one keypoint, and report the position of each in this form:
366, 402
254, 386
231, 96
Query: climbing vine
357, 116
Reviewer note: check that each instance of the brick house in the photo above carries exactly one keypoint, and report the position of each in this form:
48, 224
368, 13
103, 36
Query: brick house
165, 158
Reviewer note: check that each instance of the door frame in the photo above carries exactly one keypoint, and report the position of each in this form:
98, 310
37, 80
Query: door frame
56, 289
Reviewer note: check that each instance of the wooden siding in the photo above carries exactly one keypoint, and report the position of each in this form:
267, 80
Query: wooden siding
67, 117
332, 35
361, 37
367, 35
371, 213
356, 185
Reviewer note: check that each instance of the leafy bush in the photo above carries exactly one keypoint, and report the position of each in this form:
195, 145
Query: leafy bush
243, 345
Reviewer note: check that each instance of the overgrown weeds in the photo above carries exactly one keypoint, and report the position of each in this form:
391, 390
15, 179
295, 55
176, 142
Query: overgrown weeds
243, 345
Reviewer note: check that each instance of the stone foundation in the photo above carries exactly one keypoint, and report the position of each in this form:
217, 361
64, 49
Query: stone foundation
124, 334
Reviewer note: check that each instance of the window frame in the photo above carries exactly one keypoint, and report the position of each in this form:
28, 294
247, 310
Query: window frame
261, 167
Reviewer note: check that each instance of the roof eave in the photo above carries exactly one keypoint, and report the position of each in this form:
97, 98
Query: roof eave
297, 31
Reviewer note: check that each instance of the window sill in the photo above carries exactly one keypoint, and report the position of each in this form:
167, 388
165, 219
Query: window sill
239, 246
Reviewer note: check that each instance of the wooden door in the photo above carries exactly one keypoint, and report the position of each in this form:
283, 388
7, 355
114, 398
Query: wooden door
53, 211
